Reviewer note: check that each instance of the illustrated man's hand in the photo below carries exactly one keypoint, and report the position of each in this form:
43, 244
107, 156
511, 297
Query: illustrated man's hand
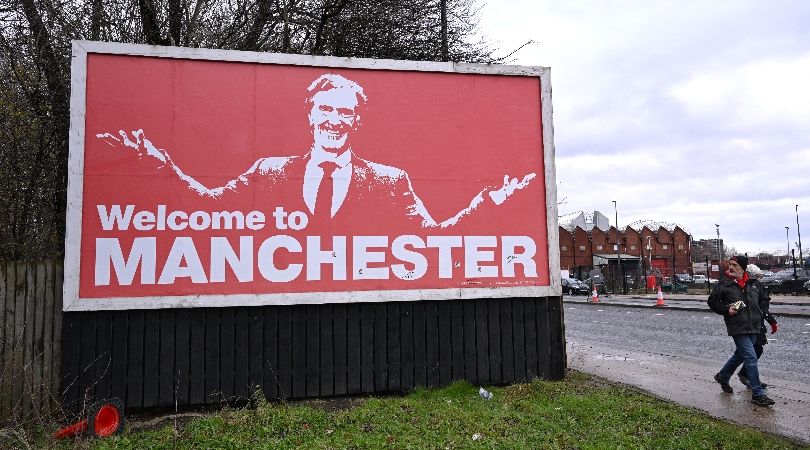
510, 185
732, 311
136, 142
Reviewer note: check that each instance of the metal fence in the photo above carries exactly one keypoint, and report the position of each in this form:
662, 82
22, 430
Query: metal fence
30, 338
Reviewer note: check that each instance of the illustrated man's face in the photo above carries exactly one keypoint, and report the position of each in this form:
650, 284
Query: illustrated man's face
333, 116
735, 269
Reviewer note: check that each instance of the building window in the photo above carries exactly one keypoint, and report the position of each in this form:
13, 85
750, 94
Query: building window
564, 248
582, 248
598, 247
680, 246
664, 246
632, 247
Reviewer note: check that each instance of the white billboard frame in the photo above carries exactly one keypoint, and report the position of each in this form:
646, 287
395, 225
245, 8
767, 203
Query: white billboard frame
71, 299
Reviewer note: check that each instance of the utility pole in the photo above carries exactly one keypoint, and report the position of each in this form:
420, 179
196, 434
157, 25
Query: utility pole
787, 239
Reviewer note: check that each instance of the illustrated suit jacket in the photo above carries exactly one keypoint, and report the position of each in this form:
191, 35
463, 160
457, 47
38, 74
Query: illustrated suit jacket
376, 192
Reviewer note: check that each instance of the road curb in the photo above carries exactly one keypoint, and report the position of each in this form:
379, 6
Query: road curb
685, 308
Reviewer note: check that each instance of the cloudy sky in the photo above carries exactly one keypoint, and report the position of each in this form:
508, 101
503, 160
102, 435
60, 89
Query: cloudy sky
689, 112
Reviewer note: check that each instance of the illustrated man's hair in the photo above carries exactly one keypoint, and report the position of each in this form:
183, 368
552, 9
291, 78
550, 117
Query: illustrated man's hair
329, 81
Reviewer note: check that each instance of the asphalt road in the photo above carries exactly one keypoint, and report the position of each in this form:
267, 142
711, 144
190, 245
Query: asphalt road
673, 354
689, 334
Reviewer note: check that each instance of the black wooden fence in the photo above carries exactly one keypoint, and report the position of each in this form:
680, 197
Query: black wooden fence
160, 358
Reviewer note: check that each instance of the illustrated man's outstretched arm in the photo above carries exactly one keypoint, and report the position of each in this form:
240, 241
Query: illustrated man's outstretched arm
138, 143
496, 195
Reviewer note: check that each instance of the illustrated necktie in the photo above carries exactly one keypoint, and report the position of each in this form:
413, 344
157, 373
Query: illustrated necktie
323, 201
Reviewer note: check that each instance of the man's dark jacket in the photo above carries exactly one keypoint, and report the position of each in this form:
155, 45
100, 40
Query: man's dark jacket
748, 320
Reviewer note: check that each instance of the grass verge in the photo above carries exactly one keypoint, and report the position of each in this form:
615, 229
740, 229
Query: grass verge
577, 412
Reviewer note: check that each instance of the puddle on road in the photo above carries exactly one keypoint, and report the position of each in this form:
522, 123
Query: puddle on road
606, 357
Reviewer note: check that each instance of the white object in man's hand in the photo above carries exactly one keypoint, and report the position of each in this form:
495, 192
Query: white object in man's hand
510, 185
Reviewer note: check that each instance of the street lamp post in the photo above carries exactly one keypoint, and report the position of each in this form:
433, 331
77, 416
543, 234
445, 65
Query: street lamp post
719, 246
799, 232
787, 239
618, 248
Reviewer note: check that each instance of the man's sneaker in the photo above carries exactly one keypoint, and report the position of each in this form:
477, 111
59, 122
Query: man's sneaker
723, 384
762, 400
744, 380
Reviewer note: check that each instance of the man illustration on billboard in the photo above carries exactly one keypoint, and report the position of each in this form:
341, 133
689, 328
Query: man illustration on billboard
336, 182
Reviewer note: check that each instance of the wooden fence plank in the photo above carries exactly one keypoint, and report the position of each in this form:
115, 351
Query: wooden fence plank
557, 337
49, 285
86, 353
38, 344
327, 351
339, 347
103, 354
270, 364
432, 343
118, 368
470, 355
182, 355
379, 324
151, 358
212, 363
197, 353
6, 336
57, 326
241, 343
226, 353
507, 343
313, 345
444, 341
494, 329
135, 360
298, 351
285, 352
18, 377
519, 339
354, 360
69, 390
543, 339
366, 347
406, 345
457, 339
482, 341
393, 349
529, 314
255, 349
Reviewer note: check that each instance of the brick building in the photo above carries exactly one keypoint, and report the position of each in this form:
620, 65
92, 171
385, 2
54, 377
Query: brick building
588, 241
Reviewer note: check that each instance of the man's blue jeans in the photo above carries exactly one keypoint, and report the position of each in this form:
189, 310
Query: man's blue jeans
744, 354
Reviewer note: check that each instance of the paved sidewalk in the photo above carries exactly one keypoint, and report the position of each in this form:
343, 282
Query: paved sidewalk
781, 305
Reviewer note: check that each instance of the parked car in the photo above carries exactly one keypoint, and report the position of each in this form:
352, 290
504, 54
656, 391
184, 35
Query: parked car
683, 277
807, 286
574, 287
785, 282
699, 279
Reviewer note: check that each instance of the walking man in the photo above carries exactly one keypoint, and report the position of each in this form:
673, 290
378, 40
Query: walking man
737, 298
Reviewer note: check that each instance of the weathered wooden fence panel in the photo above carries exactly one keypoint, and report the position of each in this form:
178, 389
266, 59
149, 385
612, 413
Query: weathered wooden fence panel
163, 358
30, 338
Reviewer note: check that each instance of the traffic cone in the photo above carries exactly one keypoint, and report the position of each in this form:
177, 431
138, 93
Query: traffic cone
595, 295
660, 301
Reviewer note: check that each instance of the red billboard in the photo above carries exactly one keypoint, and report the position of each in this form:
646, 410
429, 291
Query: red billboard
218, 178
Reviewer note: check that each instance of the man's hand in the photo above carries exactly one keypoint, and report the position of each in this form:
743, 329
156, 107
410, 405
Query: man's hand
136, 142
510, 185
774, 327
732, 311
